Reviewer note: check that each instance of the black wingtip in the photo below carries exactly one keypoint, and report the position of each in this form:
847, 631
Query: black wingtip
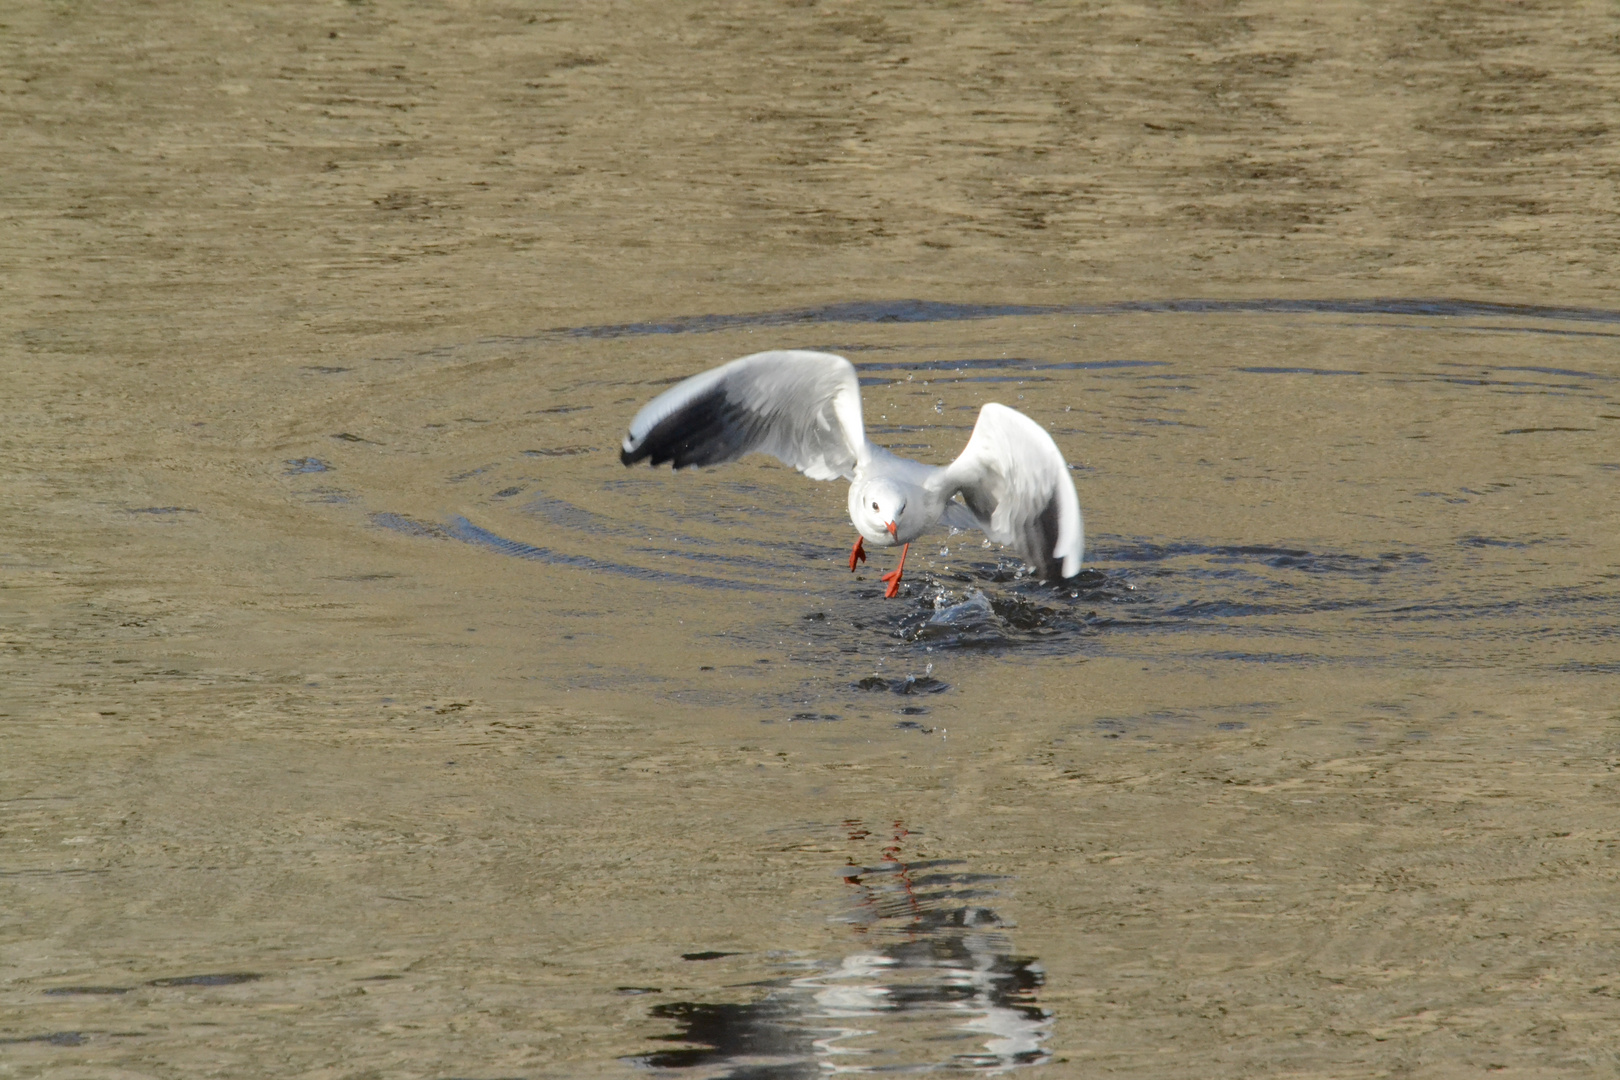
1045, 532
707, 430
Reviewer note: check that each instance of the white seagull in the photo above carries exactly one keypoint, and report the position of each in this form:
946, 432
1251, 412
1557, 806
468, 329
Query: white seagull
804, 408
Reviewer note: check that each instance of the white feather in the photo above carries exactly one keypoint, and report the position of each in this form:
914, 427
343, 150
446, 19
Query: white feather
801, 407
804, 408
1009, 473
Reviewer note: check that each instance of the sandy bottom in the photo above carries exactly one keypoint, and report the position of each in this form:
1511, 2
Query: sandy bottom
364, 717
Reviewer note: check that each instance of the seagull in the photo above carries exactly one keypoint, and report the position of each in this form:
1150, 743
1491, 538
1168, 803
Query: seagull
804, 409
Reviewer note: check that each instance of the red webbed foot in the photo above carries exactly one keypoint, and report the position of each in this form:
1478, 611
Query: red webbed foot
893, 576
857, 553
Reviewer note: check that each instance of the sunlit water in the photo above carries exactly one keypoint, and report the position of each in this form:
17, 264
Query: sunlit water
1429, 573
363, 717
1314, 532
1243, 544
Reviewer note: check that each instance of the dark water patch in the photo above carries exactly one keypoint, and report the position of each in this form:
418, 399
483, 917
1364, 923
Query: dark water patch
408, 526
892, 311
1299, 371
709, 954
559, 451
1179, 719
69, 871
1020, 378
346, 436
335, 496
325, 369
1017, 363
161, 511
958, 366
1536, 430
1583, 667
55, 1038
87, 991
1220, 609
1243, 656
912, 725
912, 429
461, 529
910, 684
782, 558
1498, 385
300, 466
1539, 606
1441, 309
1309, 562
930, 311
761, 1032
223, 978
930, 872
1568, 372
811, 718
1107, 365
507, 493
1478, 328
565, 515
1492, 542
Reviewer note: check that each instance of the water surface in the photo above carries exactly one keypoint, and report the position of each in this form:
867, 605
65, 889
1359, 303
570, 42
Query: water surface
363, 716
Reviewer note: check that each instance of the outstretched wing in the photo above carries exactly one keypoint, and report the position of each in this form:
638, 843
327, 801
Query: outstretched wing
802, 407
1015, 482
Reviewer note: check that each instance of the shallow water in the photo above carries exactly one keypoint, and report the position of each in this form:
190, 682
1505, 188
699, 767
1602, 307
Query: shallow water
363, 716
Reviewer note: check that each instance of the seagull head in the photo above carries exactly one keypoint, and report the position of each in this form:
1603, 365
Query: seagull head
875, 508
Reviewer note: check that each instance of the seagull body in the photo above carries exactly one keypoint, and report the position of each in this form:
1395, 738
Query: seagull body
804, 408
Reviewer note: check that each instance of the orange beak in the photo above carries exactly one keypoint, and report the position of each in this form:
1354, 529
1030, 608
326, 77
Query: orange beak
894, 530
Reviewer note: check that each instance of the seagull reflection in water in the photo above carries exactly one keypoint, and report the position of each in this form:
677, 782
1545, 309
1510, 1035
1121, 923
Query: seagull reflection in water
938, 989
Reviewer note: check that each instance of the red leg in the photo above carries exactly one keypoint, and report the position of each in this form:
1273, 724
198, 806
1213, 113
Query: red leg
857, 553
893, 576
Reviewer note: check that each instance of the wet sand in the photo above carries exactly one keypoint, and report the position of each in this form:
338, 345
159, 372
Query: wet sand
365, 717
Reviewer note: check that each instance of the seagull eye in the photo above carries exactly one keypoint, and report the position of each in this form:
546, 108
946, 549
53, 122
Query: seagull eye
874, 506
